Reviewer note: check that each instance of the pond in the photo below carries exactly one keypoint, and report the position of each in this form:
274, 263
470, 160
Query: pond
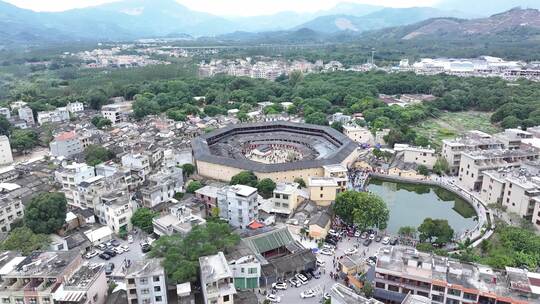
410, 204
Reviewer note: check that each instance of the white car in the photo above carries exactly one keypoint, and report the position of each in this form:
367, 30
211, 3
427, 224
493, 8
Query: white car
320, 263
326, 251
118, 250
279, 285
307, 294
326, 296
357, 234
301, 278
294, 282
273, 298
91, 254
372, 236
125, 248
328, 246
130, 238
351, 251
386, 240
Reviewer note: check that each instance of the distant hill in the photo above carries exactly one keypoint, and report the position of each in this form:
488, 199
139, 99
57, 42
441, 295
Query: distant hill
386, 17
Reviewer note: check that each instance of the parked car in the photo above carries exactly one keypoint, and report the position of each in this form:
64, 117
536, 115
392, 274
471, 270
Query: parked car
363, 235
373, 258
110, 252
307, 275
115, 243
273, 298
118, 250
331, 241
393, 241
101, 246
307, 294
314, 274
326, 296
294, 282
145, 247
301, 278
372, 236
351, 251
367, 242
109, 269
326, 251
91, 254
130, 238
279, 285
357, 234
320, 263
105, 256
125, 248
378, 238
386, 240
329, 247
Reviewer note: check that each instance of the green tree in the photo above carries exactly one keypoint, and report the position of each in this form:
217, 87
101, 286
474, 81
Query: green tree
441, 166
316, 118
247, 178
143, 106
101, 122
181, 254
510, 122
295, 77
407, 232
95, 155
23, 239
435, 231
367, 289
23, 140
266, 187
188, 169
422, 170
46, 212
300, 181
5, 126
142, 218
337, 125
193, 186
362, 208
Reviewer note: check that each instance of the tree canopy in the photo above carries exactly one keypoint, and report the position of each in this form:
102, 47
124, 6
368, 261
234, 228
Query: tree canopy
181, 254
436, 231
362, 208
247, 178
188, 169
23, 140
46, 212
142, 218
23, 239
266, 187
193, 186
95, 155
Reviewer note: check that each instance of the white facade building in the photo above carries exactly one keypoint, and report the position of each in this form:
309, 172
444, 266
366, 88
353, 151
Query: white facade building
74, 107
6, 157
145, 282
217, 280
239, 204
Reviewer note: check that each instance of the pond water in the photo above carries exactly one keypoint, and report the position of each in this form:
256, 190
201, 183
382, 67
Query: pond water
410, 204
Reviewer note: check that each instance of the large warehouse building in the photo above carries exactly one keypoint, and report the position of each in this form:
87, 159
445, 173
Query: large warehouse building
278, 150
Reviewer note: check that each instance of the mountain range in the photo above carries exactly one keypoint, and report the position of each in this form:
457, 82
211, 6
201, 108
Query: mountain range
133, 19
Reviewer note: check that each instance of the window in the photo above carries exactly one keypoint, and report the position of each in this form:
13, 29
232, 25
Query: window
285, 196
156, 278
437, 298
380, 285
143, 281
157, 288
95, 298
145, 291
393, 288
321, 195
226, 298
131, 281
438, 288
252, 270
454, 292
158, 298
133, 291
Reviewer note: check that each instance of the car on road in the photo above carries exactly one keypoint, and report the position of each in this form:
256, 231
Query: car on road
109, 269
320, 263
378, 238
314, 274
331, 241
367, 242
307, 294
326, 251
372, 236
357, 234
294, 282
301, 278
118, 250
145, 247
130, 238
125, 248
393, 241
115, 243
373, 258
273, 298
105, 256
110, 252
351, 251
363, 235
386, 240
326, 296
101, 246
328, 246
91, 254
279, 285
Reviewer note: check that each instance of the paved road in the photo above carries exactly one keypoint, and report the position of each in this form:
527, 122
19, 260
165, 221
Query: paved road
322, 285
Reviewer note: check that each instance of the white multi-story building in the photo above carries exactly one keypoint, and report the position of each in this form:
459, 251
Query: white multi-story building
6, 157
180, 220
26, 114
246, 271
70, 176
116, 209
5, 112
139, 162
145, 282
417, 155
285, 199
162, 186
511, 138
11, 209
117, 112
217, 280
239, 204
66, 144
74, 107
471, 141
57, 115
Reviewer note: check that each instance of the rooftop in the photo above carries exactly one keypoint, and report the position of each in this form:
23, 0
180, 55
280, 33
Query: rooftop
44, 264
214, 268
243, 190
315, 181
145, 268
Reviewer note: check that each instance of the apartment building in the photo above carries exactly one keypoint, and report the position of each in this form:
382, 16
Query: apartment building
470, 141
88, 285
6, 157
11, 210
52, 277
74, 107
116, 209
26, 114
57, 115
285, 199
66, 144
217, 279
145, 282
474, 163
239, 204
208, 195
322, 190
359, 134
511, 138
6, 112
137, 162
161, 187
70, 176
338, 172
402, 271
179, 220
117, 112
416, 155
246, 271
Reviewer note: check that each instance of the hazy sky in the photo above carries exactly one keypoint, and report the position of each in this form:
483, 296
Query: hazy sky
227, 7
